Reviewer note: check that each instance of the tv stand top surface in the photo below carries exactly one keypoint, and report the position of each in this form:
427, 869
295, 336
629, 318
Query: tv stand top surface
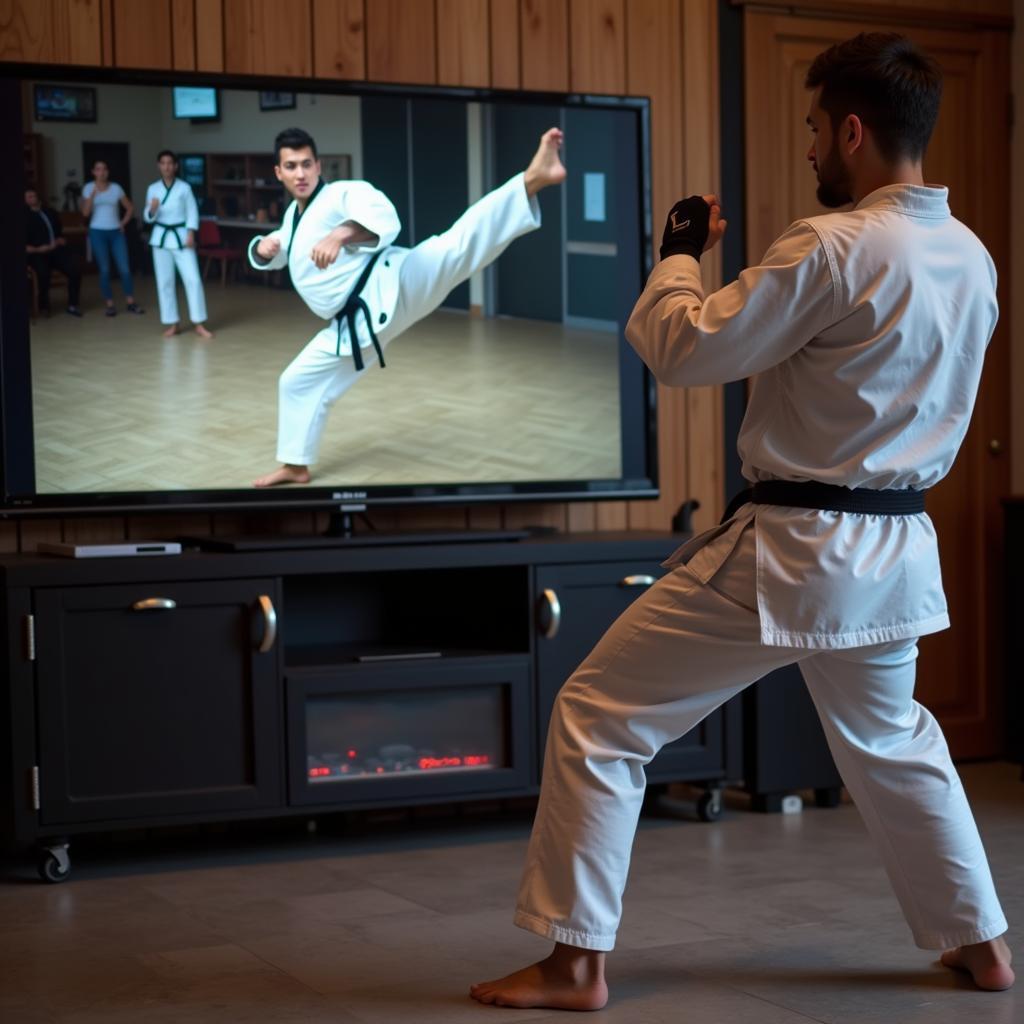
369, 538
33, 570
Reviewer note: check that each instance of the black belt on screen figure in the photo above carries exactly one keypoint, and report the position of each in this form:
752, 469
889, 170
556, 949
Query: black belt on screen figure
829, 498
170, 227
354, 305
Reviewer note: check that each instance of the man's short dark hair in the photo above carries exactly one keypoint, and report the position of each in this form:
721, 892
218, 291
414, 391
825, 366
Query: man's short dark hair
888, 83
166, 152
292, 138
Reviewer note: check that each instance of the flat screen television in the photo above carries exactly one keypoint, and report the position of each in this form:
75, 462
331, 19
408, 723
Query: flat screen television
520, 387
196, 102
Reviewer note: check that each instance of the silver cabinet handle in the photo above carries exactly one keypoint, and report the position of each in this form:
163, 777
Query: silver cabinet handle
269, 624
550, 603
155, 604
638, 581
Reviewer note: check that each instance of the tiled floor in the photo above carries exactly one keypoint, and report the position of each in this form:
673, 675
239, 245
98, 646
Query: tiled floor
752, 920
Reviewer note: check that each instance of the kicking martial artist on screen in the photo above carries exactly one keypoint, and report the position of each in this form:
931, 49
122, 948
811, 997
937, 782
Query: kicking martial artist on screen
172, 210
336, 240
865, 332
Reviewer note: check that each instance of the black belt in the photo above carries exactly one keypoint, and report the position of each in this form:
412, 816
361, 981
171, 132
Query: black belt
356, 304
170, 227
829, 498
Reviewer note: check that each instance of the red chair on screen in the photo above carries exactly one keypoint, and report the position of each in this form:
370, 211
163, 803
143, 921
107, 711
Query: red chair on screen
212, 247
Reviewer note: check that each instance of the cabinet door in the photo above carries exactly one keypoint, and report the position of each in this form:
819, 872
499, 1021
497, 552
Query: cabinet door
589, 599
155, 700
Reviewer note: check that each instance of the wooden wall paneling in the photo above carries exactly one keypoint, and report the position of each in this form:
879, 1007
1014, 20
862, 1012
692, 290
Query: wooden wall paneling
544, 44
142, 34
267, 37
463, 42
32, 531
183, 35
339, 39
51, 31
523, 514
654, 68
505, 44
401, 41
209, 19
705, 462
107, 32
8, 537
597, 43
485, 517
159, 527
94, 529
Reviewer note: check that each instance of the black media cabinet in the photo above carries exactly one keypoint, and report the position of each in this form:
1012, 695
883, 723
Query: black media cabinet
215, 686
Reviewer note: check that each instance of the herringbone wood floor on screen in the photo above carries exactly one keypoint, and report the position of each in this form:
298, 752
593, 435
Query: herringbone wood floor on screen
119, 408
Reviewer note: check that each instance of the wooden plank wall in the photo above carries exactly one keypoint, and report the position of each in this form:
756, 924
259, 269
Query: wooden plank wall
664, 49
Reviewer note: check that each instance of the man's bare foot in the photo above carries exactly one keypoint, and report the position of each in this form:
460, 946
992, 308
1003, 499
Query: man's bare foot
546, 167
569, 979
286, 474
988, 963
170, 331
202, 331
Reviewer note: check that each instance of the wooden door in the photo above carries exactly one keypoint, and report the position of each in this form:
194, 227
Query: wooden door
959, 673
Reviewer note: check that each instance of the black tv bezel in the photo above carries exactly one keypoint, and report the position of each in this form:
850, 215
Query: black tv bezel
14, 319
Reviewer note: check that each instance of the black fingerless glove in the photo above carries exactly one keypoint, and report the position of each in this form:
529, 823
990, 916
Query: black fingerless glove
686, 230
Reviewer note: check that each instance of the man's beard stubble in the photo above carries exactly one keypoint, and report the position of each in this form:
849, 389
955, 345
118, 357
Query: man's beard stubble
834, 186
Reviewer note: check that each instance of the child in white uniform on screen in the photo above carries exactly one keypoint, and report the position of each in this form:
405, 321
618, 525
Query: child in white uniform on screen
336, 240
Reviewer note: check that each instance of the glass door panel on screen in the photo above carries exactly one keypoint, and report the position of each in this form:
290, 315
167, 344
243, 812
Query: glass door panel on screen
483, 358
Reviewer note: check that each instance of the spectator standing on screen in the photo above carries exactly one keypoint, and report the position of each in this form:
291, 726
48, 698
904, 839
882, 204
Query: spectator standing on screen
47, 251
172, 210
335, 241
864, 331
108, 210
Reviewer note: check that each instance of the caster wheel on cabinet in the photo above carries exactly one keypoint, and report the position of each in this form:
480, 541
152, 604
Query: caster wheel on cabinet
709, 806
53, 863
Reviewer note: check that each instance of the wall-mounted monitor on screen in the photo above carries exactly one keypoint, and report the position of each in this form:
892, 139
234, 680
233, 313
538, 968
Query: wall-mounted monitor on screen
518, 384
64, 103
198, 103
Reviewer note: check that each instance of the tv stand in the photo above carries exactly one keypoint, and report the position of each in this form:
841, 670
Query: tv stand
303, 682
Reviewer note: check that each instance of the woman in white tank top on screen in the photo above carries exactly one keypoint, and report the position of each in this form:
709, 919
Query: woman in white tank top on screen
102, 203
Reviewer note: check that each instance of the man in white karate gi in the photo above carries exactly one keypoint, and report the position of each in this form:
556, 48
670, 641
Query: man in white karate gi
336, 240
171, 208
864, 331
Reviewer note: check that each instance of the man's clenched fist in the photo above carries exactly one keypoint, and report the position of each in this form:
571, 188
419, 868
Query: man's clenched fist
694, 225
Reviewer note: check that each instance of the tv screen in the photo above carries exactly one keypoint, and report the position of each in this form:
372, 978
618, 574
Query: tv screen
512, 383
196, 102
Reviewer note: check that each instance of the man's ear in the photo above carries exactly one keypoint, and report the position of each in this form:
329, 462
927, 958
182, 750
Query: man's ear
277, 171
853, 133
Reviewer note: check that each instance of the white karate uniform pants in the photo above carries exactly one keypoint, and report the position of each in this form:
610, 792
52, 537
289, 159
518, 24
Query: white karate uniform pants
318, 377
164, 263
674, 656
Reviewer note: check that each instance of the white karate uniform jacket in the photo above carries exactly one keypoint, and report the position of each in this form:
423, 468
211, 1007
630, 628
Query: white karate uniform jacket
865, 333
325, 291
178, 206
